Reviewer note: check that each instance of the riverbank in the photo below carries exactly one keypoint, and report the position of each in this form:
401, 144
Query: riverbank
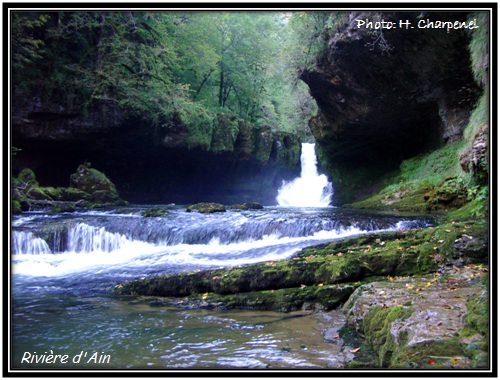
345, 272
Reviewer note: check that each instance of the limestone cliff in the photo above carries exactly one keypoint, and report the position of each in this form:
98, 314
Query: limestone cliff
231, 161
386, 95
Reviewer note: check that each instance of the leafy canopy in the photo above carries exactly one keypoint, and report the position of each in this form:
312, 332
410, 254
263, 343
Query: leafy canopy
164, 67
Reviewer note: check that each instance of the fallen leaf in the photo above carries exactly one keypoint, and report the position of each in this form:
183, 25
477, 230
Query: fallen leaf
355, 350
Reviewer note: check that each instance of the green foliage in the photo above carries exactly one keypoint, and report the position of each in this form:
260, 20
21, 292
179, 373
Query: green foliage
479, 116
27, 46
162, 67
309, 36
433, 167
479, 47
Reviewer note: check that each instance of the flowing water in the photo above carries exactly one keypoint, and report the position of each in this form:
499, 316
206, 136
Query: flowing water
63, 265
310, 189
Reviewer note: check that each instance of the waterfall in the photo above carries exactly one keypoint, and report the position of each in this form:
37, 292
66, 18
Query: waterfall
26, 242
310, 189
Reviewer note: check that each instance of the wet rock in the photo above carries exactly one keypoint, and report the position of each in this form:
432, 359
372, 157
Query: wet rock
91, 180
247, 206
418, 322
90, 189
475, 158
207, 207
310, 275
155, 212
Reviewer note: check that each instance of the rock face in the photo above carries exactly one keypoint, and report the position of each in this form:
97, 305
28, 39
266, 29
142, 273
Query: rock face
387, 95
231, 161
420, 322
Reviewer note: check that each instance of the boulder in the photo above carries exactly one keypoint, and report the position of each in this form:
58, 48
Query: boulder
155, 212
424, 321
247, 206
91, 180
90, 189
206, 207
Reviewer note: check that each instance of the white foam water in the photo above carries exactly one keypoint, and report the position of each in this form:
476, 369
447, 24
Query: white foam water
310, 189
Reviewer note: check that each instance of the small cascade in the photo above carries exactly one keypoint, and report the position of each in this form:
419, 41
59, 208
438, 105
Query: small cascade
123, 246
79, 238
310, 189
26, 242
84, 238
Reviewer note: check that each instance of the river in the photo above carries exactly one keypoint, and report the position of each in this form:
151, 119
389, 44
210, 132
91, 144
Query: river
63, 266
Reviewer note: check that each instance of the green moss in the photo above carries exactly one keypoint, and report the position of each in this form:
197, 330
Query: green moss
282, 300
263, 144
479, 47
55, 193
377, 329
225, 132
206, 207
247, 206
27, 176
155, 212
398, 253
16, 207
91, 180
476, 331
74, 194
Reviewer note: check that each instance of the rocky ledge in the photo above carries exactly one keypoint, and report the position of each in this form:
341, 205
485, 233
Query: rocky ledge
434, 321
415, 296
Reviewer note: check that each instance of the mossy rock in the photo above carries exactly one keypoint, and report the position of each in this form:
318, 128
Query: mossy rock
91, 180
16, 207
56, 193
244, 145
38, 193
318, 298
64, 207
206, 207
224, 134
247, 206
263, 144
155, 212
399, 253
105, 196
73, 194
27, 176
423, 321
451, 193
